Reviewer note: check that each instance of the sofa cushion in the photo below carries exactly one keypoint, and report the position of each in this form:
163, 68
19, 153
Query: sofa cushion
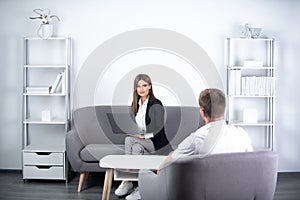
93, 127
94, 152
181, 121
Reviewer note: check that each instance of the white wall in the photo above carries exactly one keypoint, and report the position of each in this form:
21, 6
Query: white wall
91, 23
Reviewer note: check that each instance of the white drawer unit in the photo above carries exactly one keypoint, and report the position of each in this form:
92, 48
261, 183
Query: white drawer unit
44, 164
43, 172
43, 158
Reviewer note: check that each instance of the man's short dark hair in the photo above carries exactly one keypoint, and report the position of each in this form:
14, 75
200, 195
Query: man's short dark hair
213, 101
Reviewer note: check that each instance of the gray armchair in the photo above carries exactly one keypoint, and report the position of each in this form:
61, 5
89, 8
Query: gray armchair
232, 176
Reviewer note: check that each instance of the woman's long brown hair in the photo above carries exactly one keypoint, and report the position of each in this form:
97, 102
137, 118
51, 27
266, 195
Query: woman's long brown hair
136, 97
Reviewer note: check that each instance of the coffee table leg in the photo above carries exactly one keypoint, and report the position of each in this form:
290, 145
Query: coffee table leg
107, 184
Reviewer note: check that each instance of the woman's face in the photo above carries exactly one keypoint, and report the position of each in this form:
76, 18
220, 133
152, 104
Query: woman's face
143, 89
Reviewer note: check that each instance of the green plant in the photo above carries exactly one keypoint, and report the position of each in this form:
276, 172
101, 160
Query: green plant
44, 15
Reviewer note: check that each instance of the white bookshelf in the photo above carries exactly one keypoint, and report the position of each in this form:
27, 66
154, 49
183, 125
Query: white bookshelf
44, 151
251, 87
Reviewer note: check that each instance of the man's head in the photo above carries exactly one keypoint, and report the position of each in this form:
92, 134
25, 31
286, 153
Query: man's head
212, 104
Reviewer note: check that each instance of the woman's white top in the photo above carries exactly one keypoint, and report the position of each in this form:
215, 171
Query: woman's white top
140, 118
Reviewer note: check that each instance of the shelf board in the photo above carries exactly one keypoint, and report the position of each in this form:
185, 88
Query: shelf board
39, 121
46, 66
259, 123
132, 175
45, 148
251, 68
250, 96
44, 94
50, 38
251, 39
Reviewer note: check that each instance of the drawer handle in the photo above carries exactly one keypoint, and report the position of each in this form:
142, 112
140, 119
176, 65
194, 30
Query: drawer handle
43, 167
43, 153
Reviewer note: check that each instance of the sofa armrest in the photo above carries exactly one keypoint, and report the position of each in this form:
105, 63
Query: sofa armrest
73, 148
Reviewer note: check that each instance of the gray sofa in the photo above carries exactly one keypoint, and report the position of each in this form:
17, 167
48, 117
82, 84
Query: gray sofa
232, 176
91, 136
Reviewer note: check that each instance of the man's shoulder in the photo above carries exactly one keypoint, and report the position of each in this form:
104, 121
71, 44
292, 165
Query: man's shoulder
233, 127
202, 131
235, 130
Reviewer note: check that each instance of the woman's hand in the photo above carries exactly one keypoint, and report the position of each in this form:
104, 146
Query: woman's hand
141, 136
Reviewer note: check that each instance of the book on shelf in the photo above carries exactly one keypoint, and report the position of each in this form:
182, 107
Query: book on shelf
56, 83
235, 82
38, 89
257, 85
63, 83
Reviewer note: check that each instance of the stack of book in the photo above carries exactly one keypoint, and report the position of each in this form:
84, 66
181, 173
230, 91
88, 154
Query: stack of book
38, 89
250, 85
257, 85
57, 86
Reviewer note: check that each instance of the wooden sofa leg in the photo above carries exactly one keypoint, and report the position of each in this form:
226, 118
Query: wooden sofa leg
83, 176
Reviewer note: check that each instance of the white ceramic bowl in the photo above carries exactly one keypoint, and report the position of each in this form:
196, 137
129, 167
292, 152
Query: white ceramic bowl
255, 32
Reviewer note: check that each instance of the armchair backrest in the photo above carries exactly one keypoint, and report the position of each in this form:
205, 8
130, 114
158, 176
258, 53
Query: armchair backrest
232, 176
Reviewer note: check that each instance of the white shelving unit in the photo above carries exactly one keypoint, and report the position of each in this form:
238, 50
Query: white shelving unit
44, 151
251, 88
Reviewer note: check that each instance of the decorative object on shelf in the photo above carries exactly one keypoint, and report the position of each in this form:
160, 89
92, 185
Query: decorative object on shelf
245, 31
46, 115
45, 29
250, 115
250, 32
255, 32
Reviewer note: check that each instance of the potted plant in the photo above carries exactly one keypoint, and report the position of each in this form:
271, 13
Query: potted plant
45, 29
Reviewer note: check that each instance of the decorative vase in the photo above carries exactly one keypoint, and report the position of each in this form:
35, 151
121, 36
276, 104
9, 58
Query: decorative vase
45, 31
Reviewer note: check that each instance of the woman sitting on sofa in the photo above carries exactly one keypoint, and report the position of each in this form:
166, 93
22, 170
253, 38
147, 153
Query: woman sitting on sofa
149, 116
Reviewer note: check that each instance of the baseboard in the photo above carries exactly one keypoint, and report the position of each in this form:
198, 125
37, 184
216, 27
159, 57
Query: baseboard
289, 174
11, 171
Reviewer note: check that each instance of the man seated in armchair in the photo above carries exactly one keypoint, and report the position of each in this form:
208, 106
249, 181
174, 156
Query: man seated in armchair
215, 136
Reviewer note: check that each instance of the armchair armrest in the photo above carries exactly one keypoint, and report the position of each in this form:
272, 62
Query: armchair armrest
152, 185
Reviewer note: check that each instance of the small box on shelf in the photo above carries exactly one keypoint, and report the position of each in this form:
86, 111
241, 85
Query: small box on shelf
253, 63
46, 115
250, 115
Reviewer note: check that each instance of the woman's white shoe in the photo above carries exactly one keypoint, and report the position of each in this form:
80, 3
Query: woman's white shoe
135, 195
124, 188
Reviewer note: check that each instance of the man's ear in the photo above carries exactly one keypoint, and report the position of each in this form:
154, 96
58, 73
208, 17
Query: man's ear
202, 112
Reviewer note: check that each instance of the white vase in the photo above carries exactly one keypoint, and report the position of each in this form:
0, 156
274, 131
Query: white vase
45, 31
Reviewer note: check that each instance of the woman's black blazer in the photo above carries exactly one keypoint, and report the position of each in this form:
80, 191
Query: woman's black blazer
155, 119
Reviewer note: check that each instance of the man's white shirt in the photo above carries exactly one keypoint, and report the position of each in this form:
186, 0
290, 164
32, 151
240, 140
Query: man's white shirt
232, 139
